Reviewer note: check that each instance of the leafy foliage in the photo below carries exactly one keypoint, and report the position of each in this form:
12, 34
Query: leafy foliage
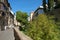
21, 17
44, 5
50, 4
58, 3
42, 28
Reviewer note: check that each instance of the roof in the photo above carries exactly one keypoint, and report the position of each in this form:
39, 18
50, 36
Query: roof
11, 11
40, 6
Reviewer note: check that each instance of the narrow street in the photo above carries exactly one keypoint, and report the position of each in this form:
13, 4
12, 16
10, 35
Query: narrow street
7, 34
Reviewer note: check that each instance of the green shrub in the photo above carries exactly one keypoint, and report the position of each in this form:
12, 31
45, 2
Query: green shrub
42, 29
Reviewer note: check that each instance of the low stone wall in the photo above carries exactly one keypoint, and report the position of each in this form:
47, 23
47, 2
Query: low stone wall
19, 35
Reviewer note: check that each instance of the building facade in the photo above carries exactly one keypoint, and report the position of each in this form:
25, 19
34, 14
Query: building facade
38, 11
16, 23
6, 16
31, 16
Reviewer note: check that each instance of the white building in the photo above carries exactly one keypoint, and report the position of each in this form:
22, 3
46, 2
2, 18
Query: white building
16, 23
31, 16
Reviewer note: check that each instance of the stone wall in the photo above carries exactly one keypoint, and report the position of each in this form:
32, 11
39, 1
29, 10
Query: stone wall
19, 35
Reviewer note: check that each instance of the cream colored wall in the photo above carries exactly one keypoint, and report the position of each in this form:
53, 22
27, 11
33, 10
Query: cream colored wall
16, 23
31, 15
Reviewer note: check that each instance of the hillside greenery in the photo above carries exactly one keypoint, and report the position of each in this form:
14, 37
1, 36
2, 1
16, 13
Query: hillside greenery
43, 28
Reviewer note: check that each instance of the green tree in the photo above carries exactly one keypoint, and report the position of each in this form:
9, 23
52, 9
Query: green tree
22, 17
57, 3
44, 5
42, 29
50, 4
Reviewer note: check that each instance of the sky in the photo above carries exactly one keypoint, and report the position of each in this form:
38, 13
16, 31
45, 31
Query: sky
25, 5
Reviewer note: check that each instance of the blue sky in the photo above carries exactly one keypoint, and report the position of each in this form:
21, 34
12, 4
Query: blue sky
25, 5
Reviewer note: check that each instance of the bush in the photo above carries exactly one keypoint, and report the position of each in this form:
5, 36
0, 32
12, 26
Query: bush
42, 29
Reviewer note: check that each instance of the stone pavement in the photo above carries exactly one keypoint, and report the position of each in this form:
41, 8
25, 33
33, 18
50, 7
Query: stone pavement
7, 35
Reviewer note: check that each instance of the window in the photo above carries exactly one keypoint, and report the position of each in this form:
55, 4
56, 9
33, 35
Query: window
3, 14
1, 7
40, 11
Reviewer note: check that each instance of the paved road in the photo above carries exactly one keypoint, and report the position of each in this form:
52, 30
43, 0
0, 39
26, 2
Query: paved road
7, 34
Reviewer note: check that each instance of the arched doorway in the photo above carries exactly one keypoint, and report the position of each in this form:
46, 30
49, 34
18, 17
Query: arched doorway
2, 20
